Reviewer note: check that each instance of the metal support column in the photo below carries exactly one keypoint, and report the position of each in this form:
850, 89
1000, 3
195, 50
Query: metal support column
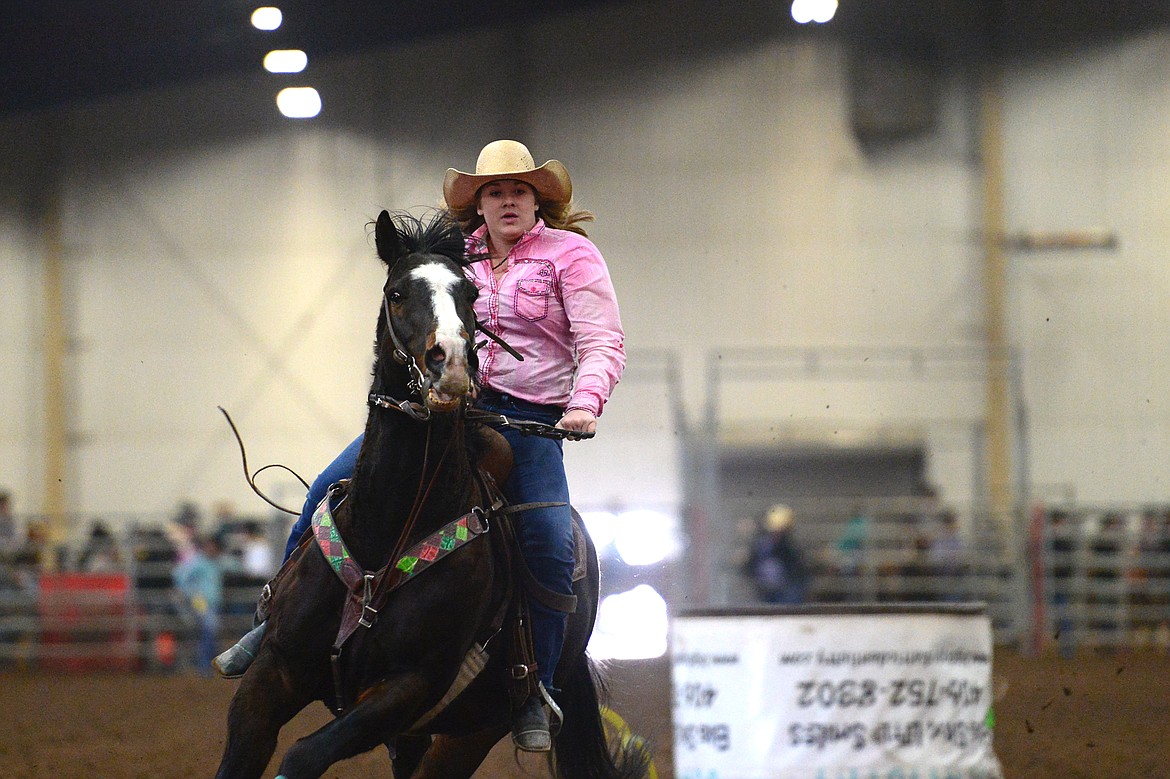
999, 411
55, 344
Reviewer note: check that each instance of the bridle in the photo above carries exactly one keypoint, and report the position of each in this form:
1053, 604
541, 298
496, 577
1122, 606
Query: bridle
419, 383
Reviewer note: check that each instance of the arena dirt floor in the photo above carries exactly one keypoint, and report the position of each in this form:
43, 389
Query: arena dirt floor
1101, 716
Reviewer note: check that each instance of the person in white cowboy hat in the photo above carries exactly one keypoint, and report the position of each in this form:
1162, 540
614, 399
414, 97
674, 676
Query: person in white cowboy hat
545, 286
776, 563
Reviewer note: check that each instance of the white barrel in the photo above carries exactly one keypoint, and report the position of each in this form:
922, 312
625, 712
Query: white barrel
834, 692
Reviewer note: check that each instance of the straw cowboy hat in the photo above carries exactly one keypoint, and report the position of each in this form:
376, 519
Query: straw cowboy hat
508, 160
778, 518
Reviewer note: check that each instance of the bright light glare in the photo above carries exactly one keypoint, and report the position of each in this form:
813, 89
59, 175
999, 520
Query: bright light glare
299, 102
630, 626
267, 18
602, 527
645, 537
285, 61
819, 11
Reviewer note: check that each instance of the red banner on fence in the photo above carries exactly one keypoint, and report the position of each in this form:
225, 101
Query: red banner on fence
86, 622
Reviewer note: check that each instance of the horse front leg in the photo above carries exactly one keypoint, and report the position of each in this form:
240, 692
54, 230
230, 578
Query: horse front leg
263, 703
383, 711
457, 757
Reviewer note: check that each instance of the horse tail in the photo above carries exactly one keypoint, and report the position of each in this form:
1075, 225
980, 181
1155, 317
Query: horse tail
583, 751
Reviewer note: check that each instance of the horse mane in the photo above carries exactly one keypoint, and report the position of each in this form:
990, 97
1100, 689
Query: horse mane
441, 235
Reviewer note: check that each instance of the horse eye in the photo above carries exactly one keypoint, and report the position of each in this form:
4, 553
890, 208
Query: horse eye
393, 295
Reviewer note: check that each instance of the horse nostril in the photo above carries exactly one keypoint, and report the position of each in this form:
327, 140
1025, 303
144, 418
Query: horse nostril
435, 358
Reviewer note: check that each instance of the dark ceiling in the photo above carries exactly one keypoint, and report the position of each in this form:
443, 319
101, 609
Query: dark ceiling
56, 52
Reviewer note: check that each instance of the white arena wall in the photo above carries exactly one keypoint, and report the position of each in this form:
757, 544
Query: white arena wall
1085, 147
217, 254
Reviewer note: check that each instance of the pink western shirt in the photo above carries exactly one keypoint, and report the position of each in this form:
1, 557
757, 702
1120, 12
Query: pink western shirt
555, 305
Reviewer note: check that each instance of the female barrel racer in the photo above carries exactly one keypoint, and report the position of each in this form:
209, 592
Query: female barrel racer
545, 288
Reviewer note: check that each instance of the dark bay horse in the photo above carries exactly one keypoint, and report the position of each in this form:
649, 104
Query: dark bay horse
416, 472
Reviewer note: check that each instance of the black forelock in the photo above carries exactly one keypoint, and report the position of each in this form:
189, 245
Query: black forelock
440, 235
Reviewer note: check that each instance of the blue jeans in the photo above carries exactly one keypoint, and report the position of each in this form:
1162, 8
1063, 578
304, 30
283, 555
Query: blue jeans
205, 648
545, 535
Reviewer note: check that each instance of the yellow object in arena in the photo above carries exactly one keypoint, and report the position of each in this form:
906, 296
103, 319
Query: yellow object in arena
616, 727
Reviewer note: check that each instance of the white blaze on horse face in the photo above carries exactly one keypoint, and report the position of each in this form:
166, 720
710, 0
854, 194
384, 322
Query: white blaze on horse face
449, 331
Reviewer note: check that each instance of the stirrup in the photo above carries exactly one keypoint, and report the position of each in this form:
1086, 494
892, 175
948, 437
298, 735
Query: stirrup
556, 716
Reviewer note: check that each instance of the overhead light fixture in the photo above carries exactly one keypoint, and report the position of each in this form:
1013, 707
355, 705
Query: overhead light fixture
299, 102
285, 61
267, 18
819, 11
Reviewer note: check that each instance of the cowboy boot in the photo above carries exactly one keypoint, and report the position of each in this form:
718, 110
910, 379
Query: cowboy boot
232, 663
530, 724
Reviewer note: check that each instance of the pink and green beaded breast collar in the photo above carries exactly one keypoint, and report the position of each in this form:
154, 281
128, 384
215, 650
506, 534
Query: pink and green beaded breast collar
414, 561
369, 590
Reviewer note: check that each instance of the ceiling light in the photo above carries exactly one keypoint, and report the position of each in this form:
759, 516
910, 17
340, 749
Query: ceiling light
819, 11
299, 102
285, 61
267, 18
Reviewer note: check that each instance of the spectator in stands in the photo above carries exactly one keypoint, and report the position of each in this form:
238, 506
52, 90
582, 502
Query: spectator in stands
1062, 548
776, 564
31, 554
199, 582
947, 556
227, 523
929, 507
1105, 578
248, 563
1146, 580
186, 514
851, 545
13, 581
101, 550
916, 571
256, 557
8, 529
1160, 582
182, 531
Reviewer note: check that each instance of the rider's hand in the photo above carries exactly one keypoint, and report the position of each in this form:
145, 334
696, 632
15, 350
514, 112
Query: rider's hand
580, 420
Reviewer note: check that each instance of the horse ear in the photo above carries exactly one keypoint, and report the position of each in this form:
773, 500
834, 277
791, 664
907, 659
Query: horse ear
386, 238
